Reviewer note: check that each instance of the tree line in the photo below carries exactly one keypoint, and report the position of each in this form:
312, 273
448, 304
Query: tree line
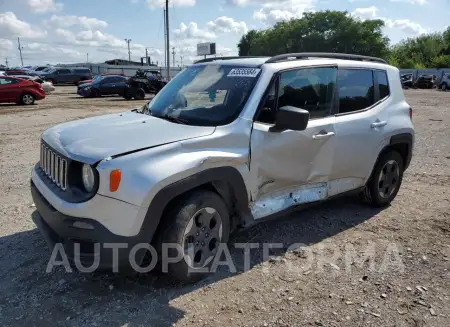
336, 31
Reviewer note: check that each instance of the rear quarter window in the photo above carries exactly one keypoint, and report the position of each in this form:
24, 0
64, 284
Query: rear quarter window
383, 84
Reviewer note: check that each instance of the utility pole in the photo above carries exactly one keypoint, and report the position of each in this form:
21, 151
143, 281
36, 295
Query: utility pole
146, 57
6, 62
181, 60
173, 55
168, 40
20, 50
165, 38
87, 57
129, 52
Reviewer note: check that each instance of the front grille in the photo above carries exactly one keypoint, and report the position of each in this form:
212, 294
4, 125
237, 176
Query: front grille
54, 166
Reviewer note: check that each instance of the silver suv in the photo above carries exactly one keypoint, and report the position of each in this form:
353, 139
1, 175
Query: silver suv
227, 143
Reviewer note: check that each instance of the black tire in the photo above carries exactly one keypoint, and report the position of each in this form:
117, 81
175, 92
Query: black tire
444, 86
176, 222
127, 95
95, 93
139, 94
380, 191
27, 99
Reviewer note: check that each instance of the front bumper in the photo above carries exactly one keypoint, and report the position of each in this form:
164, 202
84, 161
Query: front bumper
57, 227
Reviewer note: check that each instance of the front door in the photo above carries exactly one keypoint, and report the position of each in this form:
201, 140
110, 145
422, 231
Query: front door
9, 90
292, 167
360, 124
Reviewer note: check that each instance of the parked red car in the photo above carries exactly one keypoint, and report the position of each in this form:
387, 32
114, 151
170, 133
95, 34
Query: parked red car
20, 91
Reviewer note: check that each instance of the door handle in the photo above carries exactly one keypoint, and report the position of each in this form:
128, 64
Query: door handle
323, 136
378, 124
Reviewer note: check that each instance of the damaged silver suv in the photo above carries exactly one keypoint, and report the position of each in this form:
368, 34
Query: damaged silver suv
227, 143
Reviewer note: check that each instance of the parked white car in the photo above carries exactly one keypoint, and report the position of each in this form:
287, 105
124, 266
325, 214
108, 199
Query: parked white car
46, 86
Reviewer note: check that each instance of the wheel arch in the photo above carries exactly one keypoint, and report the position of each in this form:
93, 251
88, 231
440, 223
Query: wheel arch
227, 182
403, 144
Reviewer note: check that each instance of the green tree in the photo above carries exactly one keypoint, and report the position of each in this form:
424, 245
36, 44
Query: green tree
325, 31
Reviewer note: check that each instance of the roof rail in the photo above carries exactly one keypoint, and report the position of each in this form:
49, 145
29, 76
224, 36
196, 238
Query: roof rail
307, 55
226, 58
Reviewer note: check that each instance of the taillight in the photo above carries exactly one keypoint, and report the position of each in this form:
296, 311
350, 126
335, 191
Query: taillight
410, 113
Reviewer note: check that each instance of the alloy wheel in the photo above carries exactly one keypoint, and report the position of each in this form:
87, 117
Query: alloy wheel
27, 99
388, 179
202, 237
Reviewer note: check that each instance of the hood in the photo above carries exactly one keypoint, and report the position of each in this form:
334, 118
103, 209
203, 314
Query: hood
84, 85
93, 139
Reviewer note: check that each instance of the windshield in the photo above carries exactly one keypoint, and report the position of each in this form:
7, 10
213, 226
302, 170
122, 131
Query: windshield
208, 95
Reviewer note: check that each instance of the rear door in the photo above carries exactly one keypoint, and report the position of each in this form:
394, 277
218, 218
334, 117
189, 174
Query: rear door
9, 89
63, 75
360, 122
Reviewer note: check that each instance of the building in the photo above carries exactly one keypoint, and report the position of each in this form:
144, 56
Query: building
123, 62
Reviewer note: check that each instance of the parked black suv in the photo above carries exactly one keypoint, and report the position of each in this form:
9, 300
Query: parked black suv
62, 75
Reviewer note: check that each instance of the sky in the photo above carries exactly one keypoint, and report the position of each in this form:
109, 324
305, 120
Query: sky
74, 31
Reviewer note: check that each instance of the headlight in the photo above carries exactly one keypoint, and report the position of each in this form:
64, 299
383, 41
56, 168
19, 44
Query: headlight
88, 178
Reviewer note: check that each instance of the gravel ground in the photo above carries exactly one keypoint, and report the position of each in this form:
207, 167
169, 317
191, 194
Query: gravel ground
328, 282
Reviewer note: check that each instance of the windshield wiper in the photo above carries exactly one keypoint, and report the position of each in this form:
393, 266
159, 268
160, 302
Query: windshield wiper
173, 119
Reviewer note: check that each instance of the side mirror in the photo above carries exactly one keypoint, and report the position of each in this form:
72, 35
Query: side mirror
289, 117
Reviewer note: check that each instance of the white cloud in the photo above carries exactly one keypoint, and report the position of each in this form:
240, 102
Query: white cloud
405, 25
276, 11
227, 24
176, 3
414, 2
83, 21
192, 31
10, 26
5, 47
44, 6
366, 13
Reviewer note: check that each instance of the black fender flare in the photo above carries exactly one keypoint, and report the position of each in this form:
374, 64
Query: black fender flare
404, 138
222, 179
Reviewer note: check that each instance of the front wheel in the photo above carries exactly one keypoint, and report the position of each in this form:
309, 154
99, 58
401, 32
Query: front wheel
444, 86
385, 181
197, 225
139, 94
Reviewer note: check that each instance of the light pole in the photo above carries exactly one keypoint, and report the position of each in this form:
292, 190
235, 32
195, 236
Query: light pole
129, 52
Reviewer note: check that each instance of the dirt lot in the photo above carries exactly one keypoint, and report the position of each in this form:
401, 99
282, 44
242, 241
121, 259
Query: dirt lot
408, 284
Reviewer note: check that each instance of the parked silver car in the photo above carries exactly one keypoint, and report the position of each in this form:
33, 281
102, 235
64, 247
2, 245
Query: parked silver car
229, 142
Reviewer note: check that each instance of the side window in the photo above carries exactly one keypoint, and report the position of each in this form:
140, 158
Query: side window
356, 89
311, 89
383, 84
7, 81
63, 71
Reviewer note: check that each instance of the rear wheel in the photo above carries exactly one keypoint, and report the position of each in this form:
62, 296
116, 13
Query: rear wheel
140, 94
385, 181
27, 99
197, 224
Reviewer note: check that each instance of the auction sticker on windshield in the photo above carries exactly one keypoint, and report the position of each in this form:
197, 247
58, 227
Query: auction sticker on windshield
244, 72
